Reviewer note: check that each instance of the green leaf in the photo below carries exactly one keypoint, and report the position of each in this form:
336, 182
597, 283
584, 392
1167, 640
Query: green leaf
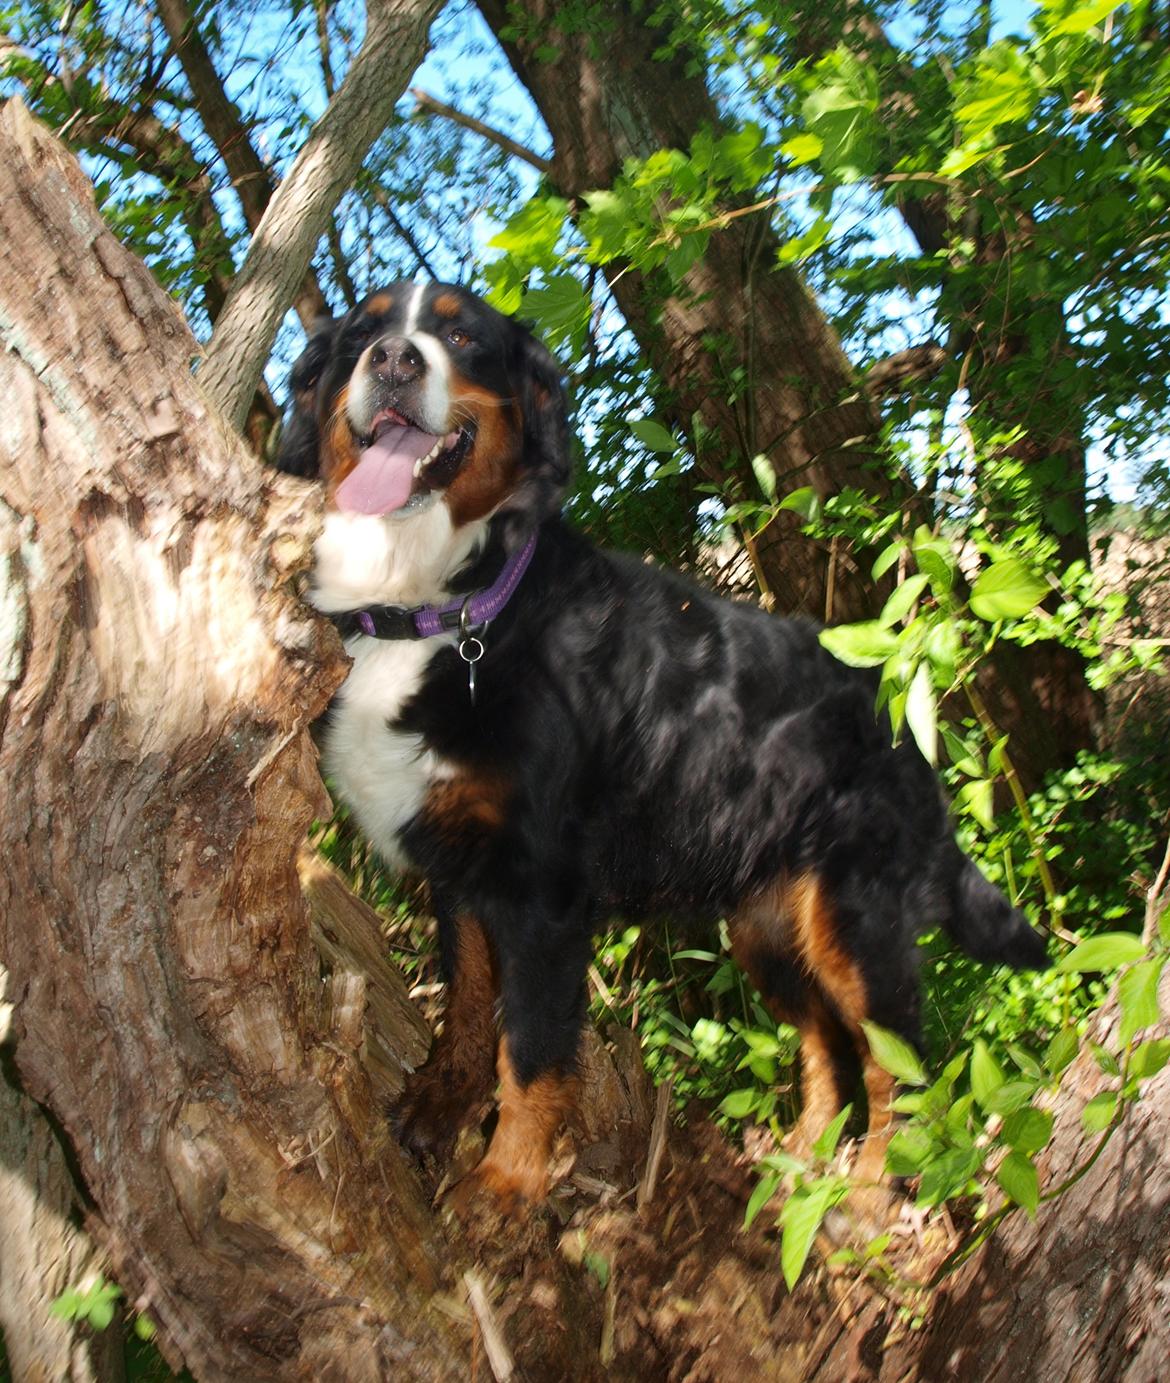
894, 1054
765, 474
1149, 1058
922, 713
901, 599
804, 501
1106, 951
532, 234
740, 1103
1061, 1050
1083, 17
840, 110
977, 798
910, 1149
1020, 1182
1137, 993
1028, 1130
1027, 1063
598, 1265
1010, 1096
934, 557
960, 753
801, 1217
802, 148
653, 435
1098, 1114
867, 644
826, 1145
606, 225
986, 1074
1006, 590
885, 560
763, 1193
948, 1174
560, 308
1105, 1059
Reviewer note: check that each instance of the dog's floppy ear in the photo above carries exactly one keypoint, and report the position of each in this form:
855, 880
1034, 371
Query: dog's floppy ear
546, 463
300, 440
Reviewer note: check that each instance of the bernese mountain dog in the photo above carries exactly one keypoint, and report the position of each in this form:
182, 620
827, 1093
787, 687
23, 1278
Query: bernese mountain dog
553, 735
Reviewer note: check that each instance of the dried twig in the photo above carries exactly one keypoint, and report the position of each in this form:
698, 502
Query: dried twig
1154, 898
657, 1144
499, 1356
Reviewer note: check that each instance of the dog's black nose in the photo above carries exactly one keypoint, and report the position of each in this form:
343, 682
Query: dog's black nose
397, 361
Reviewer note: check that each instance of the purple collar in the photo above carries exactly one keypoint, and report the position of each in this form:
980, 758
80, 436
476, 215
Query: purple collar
423, 621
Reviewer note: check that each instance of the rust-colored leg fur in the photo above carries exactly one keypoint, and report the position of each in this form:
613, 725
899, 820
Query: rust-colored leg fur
515, 1168
459, 1073
786, 939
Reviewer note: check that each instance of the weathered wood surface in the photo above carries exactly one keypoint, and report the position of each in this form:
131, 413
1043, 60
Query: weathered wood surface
207, 1070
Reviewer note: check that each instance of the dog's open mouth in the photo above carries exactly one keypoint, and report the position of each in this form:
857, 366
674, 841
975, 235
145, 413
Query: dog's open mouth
400, 464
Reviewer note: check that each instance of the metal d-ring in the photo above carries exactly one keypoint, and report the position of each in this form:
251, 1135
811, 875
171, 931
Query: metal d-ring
471, 645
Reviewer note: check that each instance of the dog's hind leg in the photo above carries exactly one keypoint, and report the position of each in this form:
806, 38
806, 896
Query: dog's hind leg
460, 1070
866, 968
762, 941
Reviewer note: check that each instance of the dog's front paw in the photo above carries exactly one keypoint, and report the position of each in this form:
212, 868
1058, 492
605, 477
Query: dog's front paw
495, 1191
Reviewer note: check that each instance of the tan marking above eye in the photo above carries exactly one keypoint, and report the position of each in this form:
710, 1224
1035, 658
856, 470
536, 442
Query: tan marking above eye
447, 305
380, 304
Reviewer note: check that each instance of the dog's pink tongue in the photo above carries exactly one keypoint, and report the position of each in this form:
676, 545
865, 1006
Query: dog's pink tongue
381, 481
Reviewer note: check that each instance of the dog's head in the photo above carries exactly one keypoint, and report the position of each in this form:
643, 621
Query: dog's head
424, 396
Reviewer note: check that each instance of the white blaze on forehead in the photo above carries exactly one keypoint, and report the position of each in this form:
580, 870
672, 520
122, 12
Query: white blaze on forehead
432, 405
413, 307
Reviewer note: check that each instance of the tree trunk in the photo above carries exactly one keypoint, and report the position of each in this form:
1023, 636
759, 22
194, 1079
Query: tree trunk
210, 1077
45, 1250
298, 214
1078, 1293
606, 97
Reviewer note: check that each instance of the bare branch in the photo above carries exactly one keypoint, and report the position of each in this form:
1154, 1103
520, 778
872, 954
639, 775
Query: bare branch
400, 226
299, 212
432, 105
897, 372
222, 120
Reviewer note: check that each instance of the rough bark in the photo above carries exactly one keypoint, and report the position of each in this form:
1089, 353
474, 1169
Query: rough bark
45, 1248
1079, 1293
607, 97
204, 1068
162, 151
297, 215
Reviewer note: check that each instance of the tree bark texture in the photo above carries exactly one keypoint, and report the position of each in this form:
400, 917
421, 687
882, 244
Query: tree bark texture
210, 1074
1080, 1293
45, 1250
298, 214
605, 98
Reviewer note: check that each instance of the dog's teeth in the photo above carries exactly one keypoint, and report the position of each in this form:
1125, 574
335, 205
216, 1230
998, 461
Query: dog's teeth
418, 466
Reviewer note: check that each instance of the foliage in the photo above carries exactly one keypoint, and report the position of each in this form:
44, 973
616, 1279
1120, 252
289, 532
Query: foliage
930, 174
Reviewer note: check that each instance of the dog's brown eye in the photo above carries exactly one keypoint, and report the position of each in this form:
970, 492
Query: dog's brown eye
458, 337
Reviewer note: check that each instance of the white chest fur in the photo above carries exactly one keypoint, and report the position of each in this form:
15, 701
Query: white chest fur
381, 774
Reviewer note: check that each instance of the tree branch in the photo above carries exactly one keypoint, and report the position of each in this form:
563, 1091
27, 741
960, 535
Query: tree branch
299, 212
428, 104
222, 120
163, 152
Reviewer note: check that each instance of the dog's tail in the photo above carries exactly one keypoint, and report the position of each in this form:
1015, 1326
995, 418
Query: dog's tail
984, 923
